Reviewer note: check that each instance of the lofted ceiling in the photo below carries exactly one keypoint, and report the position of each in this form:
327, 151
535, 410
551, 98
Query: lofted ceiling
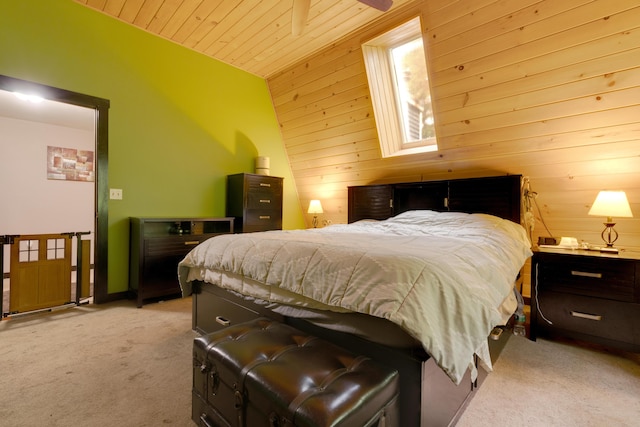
252, 35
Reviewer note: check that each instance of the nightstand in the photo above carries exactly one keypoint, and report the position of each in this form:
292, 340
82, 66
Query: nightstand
586, 295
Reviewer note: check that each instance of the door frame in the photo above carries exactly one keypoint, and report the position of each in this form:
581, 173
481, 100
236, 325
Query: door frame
101, 202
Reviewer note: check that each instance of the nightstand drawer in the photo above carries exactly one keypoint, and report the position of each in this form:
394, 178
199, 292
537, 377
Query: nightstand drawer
615, 321
590, 276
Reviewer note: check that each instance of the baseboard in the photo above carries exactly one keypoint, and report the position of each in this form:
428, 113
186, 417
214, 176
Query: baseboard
113, 297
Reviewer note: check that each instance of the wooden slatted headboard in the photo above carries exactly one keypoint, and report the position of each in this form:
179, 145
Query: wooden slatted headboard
496, 195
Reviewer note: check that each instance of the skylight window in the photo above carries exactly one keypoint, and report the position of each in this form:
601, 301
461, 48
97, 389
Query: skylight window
399, 83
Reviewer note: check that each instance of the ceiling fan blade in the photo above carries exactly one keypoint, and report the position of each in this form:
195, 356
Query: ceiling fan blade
299, 16
382, 5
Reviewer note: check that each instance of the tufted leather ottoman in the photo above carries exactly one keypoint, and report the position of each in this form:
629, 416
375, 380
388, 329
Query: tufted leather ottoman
265, 373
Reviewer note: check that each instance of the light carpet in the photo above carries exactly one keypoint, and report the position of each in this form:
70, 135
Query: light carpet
558, 383
117, 365
98, 365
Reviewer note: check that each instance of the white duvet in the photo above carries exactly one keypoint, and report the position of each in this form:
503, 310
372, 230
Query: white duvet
440, 276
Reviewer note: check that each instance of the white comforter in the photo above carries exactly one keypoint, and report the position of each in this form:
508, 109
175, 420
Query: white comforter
440, 276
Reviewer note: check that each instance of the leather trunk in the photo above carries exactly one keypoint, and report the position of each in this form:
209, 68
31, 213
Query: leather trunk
265, 373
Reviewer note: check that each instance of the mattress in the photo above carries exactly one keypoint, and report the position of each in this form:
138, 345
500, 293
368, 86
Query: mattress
442, 277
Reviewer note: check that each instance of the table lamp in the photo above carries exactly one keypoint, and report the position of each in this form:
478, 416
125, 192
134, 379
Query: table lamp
315, 208
610, 204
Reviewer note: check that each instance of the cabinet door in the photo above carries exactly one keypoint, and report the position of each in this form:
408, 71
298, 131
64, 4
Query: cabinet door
420, 196
370, 202
496, 196
159, 276
160, 263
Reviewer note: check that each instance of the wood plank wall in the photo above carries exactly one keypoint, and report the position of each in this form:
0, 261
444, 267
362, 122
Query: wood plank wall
547, 89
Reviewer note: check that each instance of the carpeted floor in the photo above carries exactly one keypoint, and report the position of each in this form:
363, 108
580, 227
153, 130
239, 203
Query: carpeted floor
117, 365
558, 383
106, 365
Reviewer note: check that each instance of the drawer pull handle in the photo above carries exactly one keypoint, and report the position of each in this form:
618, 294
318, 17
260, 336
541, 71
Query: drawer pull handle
265, 184
586, 316
265, 201
204, 421
586, 274
222, 321
191, 242
265, 217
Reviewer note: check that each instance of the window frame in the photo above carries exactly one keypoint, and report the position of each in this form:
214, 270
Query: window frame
382, 86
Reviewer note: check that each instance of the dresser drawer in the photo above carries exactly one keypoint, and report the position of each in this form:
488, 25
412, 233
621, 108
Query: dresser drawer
262, 220
264, 184
173, 245
607, 278
212, 313
616, 321
264, 200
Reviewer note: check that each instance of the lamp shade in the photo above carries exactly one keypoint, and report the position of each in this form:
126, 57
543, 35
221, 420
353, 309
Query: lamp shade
315, 207
610, 204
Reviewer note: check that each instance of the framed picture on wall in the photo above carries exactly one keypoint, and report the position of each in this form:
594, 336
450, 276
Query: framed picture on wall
70, 164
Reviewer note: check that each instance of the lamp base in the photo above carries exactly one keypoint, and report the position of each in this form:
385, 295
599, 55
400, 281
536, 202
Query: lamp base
609, 234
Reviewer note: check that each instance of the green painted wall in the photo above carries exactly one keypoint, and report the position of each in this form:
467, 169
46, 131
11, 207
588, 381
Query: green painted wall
179, 122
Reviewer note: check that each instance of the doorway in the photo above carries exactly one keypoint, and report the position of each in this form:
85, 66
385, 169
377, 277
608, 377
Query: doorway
99, 108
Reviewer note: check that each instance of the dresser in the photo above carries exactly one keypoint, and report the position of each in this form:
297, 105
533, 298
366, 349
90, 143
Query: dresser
255, 202
586, 295
157, 245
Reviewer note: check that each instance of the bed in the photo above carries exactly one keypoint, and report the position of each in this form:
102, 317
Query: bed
418, 279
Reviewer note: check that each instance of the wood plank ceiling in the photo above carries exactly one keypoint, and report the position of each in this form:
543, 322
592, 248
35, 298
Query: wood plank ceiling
252, 35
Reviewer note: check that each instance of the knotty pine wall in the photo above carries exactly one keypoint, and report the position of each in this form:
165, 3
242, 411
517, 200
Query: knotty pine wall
546, 89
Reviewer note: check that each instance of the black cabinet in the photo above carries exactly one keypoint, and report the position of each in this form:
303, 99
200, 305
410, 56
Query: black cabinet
255, 202
370, 202
157, 245
586, 295
497, 195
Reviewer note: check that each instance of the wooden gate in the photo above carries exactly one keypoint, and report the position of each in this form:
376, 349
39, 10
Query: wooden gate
40, 272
